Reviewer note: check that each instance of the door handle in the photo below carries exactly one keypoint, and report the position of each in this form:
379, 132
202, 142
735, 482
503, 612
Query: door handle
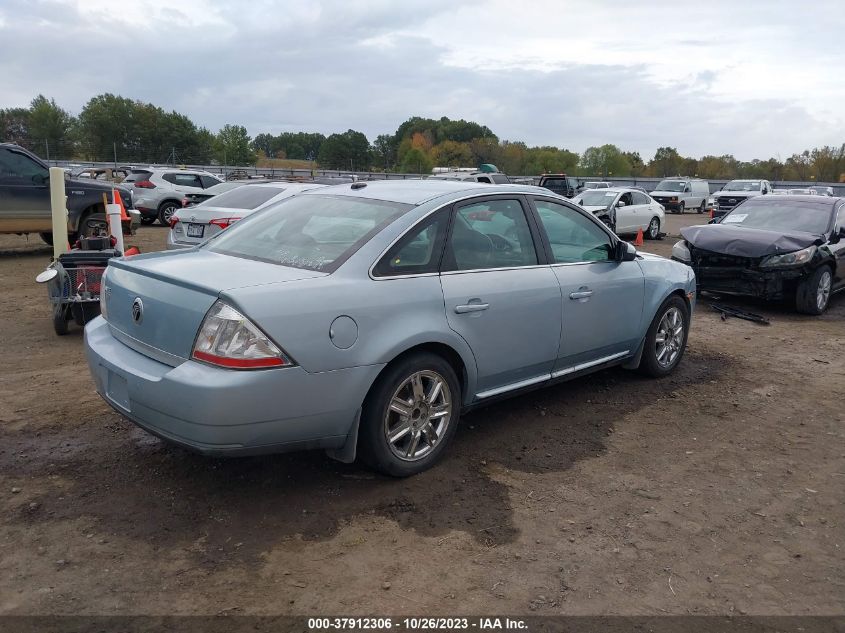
581, 294
471, 307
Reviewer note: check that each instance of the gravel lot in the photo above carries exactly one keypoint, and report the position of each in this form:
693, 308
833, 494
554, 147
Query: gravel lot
717, 490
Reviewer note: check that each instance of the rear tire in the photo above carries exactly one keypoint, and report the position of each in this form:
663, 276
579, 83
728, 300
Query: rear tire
701, 207
813, 294
147, 221
410, 415
666, 338
167, 209
60, 321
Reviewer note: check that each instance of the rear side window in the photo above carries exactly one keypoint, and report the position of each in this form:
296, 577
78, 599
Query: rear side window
244, 197
490, 234
640, 198
137, 175
418, 251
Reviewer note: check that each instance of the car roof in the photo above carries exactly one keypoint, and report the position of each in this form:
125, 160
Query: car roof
417, 191
823, 200
614, 190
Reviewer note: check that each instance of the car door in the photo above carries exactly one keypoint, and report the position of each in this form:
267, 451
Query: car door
24, 193
602, 298
626, 216
838, 249
646, 209
499, 296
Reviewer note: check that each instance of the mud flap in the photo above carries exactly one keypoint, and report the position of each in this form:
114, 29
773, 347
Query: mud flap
347, 452
634, 361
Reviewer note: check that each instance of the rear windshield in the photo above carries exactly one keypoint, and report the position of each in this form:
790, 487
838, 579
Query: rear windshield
312, 232
781, 215
137, 176
245, 197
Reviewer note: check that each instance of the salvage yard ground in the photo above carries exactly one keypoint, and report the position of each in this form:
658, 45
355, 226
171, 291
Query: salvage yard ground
717, 490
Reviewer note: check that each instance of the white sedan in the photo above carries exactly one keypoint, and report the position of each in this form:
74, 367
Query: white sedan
191, 226
625, 210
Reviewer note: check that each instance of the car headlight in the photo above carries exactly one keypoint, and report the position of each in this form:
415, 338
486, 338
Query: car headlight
787, 260
104, 294
680, 251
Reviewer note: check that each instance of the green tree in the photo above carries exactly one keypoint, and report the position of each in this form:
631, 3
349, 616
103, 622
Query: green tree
14, 126
232, 146
451, 154
50, 128
349, 150
606, 160
383, 152
416, 161
550, 160
635, 161
666, 162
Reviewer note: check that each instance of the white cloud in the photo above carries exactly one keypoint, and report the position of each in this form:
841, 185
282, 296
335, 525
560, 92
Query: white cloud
754, 79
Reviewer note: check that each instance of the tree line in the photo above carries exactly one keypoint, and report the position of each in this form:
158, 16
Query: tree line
114, 128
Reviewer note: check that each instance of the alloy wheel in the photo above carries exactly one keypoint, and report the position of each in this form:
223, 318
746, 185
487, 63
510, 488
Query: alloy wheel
669, 339
823, 290
653, 228
418, 415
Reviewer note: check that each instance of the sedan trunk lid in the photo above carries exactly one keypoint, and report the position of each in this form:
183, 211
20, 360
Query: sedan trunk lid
155, 303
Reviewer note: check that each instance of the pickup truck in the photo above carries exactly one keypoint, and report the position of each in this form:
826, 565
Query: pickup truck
25, 199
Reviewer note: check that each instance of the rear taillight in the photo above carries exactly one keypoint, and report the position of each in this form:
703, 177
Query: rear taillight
144, 184
173, 221
224, 222
712, 214
228, 339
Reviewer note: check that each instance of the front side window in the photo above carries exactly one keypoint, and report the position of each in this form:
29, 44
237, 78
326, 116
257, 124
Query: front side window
313, 232
418, 251
573, 237
490, 234
19, 168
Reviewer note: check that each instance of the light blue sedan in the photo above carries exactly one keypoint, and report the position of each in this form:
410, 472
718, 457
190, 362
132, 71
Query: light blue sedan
364, 319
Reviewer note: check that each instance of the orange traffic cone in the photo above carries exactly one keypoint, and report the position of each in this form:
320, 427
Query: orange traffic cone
638, 241
118, 199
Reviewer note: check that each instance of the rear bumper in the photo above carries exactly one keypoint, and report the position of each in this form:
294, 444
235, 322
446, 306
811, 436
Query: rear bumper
226, 412
177, 244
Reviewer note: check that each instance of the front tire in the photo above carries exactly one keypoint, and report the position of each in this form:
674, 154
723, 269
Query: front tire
410, 415
813, 294
666, 338
60, 320
653, 230
166, 210
681, 207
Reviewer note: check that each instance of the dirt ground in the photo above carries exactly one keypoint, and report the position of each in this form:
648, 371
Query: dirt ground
717, 490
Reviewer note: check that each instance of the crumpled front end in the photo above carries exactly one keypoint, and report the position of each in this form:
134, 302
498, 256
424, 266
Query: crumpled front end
731, 274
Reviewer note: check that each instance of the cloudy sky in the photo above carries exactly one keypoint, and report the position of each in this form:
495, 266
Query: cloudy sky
752, 78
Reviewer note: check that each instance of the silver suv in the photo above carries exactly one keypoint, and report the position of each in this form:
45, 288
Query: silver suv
158, 192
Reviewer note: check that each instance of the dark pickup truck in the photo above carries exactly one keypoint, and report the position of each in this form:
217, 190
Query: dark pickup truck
25, 199
559, 183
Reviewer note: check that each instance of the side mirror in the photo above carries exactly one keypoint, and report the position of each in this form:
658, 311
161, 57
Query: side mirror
620, 204
686, 189
625, 251
837, 236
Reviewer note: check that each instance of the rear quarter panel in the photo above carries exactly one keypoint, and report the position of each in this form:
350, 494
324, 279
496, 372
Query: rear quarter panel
391, 315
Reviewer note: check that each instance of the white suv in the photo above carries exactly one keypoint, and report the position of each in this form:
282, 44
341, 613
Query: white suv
158, 192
